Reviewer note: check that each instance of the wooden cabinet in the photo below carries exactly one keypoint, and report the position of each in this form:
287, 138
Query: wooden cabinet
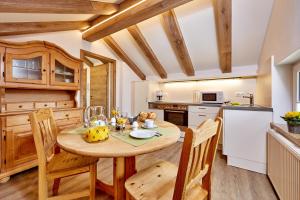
64, 71
39, 65
27, 68
35, 75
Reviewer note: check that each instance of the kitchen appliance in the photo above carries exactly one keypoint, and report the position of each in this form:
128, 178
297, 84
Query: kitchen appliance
176, 114
212, 97
159, 95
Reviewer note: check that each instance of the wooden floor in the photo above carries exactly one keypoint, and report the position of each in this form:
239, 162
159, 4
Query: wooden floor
229, 183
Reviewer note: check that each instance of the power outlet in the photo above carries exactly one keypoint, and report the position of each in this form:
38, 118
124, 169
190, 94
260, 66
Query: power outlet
239, 94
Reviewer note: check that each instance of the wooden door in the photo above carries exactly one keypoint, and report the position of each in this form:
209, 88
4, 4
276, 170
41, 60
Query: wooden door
20, 149
30, 67
64, 71
99, 85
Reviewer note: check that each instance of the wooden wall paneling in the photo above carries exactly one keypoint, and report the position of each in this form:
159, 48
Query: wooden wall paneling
20, 28
58, 6
176, 39
147, 50
117, 49
223, 12
139, 11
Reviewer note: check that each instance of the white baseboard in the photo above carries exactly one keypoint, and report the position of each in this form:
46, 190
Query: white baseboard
247, 164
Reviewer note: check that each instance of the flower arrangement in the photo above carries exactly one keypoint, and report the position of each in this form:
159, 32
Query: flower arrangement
292, 118
293, 121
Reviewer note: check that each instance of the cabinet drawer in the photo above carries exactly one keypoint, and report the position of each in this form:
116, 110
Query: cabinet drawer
196, 119
65, 104
44, 105
19, 106
68, 114
204, 109
20, 128
17, 120
68, 121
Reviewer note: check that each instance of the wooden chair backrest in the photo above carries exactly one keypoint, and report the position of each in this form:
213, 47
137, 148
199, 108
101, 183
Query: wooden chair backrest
44, 133
197, 156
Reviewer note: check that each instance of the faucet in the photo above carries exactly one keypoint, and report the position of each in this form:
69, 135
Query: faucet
251, 97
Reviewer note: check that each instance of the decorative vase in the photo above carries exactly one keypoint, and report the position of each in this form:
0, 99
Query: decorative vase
294, 128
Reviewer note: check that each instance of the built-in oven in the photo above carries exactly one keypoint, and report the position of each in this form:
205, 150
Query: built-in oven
177, 117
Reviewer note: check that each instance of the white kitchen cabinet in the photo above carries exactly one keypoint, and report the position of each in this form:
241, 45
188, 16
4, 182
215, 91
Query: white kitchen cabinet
198, 114
143, 92
245, 138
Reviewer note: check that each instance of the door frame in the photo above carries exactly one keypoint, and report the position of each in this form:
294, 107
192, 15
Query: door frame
112, 77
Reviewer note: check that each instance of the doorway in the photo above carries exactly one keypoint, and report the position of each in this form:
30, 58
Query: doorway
98, 86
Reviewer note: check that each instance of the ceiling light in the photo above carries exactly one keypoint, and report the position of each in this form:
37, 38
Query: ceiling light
117, 14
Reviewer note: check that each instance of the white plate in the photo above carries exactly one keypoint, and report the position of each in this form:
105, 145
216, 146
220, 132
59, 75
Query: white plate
142, 134
154, 126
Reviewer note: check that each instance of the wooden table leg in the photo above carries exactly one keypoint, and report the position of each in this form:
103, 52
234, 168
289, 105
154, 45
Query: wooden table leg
130, 168
119, 178
123, 168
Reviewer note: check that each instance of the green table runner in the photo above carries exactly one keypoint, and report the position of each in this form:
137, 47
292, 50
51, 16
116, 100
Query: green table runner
125, 137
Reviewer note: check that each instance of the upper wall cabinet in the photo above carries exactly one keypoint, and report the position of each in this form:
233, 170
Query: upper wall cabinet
38, 65
27, 68
64, 71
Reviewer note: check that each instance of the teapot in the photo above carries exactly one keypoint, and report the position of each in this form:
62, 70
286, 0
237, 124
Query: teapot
94, 115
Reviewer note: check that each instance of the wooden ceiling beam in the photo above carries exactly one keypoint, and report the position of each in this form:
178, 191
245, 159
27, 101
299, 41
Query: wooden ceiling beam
135, 13
223, 15
58, 7
97, 56
19, 28
117, 49
147, 50
176, 39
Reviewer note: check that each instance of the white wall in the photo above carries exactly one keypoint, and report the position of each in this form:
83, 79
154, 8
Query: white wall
183, 91
296, 70
72, 42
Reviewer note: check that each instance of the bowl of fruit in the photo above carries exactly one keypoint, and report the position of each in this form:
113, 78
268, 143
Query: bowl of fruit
147, 115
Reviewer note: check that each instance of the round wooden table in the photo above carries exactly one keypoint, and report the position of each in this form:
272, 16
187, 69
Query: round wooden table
122, 153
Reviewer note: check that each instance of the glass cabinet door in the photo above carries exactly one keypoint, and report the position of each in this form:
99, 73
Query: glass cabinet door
64, 72
29, 68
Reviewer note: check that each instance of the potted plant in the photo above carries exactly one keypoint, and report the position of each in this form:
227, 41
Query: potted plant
293, 121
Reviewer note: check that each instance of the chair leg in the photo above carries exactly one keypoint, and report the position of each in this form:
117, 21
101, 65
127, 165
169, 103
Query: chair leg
43, 185
55, 186
93, 177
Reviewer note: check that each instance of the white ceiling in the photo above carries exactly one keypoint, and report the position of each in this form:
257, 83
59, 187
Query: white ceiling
196, 20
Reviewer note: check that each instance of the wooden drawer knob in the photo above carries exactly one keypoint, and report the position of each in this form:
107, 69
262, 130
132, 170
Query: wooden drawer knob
65, 104
20, 106
67, 115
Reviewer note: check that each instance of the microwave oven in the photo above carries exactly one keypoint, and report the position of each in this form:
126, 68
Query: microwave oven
212, 97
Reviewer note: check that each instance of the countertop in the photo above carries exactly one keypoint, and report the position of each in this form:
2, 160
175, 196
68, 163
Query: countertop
224, 106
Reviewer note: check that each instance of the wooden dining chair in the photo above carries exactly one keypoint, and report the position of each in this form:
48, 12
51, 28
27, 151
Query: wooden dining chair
53, 166
191, 180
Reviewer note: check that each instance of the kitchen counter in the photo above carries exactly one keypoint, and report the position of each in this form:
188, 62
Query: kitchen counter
247, 107
224, 106
187, 103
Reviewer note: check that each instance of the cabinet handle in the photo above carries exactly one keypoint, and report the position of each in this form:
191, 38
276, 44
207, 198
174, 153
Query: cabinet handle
65, 104
201, 108
202, 115
67, 115
52, 71
44, 70
45, 105
28, 120
20, 106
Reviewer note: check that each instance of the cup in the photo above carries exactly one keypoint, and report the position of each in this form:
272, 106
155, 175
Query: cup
149, 123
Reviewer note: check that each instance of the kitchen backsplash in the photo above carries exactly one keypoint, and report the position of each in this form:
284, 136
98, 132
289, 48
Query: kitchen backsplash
183, 91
